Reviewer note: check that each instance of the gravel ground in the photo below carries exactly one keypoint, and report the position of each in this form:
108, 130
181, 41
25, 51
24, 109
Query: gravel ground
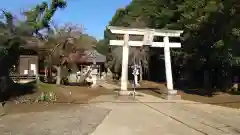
78, 120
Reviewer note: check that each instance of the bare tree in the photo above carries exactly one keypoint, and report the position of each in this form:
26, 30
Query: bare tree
61, 48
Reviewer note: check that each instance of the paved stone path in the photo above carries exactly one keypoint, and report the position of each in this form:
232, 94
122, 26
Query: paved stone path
155, 116
78, 120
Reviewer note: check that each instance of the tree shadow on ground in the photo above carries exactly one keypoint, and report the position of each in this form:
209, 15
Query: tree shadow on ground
18, 90
87, 84
200, 92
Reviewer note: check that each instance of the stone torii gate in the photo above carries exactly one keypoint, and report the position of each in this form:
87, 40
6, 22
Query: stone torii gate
148, 35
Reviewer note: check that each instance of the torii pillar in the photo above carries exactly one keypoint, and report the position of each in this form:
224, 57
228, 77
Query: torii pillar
147, 40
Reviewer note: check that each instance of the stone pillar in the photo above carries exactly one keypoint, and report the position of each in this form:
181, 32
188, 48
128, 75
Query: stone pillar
94, 78
136, 80
124, 77
135, 74
235, 83
171, 94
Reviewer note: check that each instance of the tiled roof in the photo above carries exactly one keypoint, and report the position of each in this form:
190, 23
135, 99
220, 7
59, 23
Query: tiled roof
93, 53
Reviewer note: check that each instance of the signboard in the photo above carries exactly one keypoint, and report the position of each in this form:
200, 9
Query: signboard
25, 72
148, 38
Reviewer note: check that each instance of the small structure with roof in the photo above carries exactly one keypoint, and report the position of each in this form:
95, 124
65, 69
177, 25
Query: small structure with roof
28, 67
93, 57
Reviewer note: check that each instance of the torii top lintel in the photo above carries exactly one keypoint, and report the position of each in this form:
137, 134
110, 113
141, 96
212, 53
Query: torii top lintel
135, 31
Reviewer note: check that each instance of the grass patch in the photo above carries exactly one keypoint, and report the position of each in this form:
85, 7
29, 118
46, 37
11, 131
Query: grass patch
235, 92
44, 87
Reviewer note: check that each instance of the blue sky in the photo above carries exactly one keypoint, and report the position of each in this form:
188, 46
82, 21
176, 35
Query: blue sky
94, 15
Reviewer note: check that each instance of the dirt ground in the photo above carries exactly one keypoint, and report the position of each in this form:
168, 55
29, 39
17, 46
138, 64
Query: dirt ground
221, 99
67, 97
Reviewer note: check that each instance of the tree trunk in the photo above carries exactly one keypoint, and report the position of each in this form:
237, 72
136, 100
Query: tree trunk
206, 79
59, 77
207, 83
46, 74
